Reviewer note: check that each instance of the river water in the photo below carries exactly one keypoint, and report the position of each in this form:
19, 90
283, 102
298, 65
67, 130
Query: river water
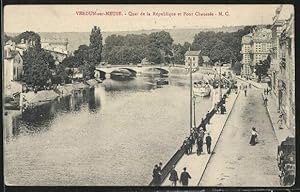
112, 135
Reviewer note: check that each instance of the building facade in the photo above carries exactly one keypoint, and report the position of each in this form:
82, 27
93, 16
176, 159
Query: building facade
255, 48
283, 63
192, 58
13, 69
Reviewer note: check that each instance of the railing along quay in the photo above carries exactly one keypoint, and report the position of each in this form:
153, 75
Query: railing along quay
180, 152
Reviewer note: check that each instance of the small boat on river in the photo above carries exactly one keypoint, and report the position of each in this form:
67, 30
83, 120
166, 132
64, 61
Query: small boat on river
121, 74
201, 89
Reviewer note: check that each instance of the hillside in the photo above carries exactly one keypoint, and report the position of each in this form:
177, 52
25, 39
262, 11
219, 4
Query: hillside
179, 35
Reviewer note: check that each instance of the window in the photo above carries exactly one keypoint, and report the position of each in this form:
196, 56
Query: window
193, 58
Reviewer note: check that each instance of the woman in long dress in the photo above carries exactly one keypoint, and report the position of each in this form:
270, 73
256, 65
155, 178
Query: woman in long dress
253, 136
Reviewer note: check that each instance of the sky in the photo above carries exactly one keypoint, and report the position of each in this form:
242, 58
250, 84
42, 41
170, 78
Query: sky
67, 18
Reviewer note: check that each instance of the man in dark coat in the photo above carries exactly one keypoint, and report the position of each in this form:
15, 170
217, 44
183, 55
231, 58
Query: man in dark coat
199, 146
186, 147
208, 117
184, 177
208, 142
159, 168
173, 176
156, 176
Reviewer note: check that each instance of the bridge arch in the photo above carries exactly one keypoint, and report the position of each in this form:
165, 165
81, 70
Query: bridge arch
100, 74
133, 72
163, 71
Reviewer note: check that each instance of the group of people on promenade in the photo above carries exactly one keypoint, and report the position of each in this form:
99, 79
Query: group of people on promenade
157, 174
184, 177
199, 136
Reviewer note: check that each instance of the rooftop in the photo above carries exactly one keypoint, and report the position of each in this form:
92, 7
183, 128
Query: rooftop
192, 53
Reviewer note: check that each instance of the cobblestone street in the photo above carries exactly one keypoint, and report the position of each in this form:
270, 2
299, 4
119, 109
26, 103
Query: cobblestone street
236, 162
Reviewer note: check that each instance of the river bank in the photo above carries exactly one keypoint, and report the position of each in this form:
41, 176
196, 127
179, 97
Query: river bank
32, 99
97, 140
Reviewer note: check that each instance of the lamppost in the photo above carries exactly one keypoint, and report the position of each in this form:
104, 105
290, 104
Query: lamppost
191, 95
194, 103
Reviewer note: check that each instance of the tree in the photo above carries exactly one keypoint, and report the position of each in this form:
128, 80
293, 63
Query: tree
61, 74
221, 46
163, 42
153, 54
237, 67
71, 62
132, 48
29, 36
200, 61
262, 69
36, 66
95, 47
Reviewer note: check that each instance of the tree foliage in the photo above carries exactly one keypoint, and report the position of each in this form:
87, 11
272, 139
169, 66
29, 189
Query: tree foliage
36, 65
87, 57
95, 47
179, 51
221, 46
156, 47
237, 67
262, 68
29, 36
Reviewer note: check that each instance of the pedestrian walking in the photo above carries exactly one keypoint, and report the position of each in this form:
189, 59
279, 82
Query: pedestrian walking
254, 134
245, 90
173, 176
268, 91
201, 134
249, 85
265, 91
186, 148
208, 117
190, 145
159, 168
280, 121
208, 142
156, 176
199, 146
266, 101
184, 177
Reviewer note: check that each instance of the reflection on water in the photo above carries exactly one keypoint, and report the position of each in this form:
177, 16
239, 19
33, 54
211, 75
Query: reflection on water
110, 135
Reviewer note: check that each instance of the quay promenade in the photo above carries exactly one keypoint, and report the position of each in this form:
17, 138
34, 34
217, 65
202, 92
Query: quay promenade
281, 134
196, 164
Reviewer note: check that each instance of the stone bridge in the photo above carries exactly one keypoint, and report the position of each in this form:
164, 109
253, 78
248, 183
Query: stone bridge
102, 71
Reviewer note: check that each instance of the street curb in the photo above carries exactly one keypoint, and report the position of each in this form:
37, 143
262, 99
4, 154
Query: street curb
269, 115
218, 138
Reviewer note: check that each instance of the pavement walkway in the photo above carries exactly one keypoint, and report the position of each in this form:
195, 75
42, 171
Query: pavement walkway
195, 164
236, 162
281, 134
